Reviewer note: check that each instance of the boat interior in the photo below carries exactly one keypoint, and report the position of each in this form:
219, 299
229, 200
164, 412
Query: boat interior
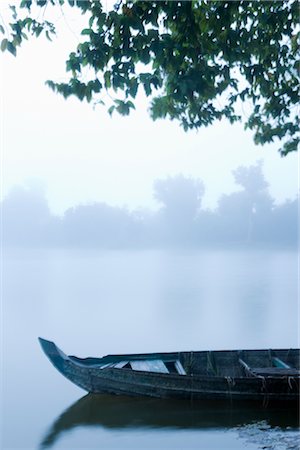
249, 363
244, 363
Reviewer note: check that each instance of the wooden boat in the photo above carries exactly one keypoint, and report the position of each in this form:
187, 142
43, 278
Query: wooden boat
263, 375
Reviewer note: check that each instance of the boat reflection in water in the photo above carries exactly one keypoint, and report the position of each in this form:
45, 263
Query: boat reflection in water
119, 412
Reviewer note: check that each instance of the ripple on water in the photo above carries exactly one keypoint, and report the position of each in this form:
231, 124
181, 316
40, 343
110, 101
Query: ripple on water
272, 438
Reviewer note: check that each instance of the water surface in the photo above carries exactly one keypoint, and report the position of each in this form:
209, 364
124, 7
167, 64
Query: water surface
94, 303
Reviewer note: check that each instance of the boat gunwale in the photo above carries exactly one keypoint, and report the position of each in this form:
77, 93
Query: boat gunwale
165, 357
162, 355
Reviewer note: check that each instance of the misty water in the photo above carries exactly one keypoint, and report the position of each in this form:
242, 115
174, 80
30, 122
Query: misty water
100, 302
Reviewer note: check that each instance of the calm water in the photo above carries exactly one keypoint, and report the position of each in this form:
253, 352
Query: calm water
94, 303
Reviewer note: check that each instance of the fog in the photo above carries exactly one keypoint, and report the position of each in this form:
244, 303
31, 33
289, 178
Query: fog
246, 217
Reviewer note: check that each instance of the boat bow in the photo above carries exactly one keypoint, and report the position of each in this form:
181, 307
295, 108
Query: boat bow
57, 357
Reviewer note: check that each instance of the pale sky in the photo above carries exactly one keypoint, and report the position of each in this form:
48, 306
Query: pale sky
81, 155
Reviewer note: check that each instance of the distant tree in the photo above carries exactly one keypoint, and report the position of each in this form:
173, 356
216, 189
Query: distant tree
26, 218
244, 214
99, 224
251, 178
200, 58
179, 195
181, 199
285, 223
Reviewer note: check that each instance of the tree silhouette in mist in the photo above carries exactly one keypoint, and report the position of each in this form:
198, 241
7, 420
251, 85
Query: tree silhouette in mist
245, 217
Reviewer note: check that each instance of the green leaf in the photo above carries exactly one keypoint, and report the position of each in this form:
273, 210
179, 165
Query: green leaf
14, 12
91, 21
133, 87
16, 41
4, 43
86, 31
111, 109
38, 30
122, 108
26, 4
96, 85
11, 48
107, 79
147, 88
130, 104
101, 18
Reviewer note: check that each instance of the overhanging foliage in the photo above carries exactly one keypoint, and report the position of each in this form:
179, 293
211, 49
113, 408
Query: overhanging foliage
198, 60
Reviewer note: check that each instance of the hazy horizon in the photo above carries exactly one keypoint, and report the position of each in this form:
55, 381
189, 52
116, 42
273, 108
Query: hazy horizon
247, 216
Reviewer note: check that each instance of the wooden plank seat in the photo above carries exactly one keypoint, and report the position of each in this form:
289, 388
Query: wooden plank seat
275, 372
281, 369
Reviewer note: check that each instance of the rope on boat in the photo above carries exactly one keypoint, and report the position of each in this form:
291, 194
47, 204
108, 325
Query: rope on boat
191, 374
265, 390
230, 381
191, 361
211, 363
270, 357
264, 382
289, 380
